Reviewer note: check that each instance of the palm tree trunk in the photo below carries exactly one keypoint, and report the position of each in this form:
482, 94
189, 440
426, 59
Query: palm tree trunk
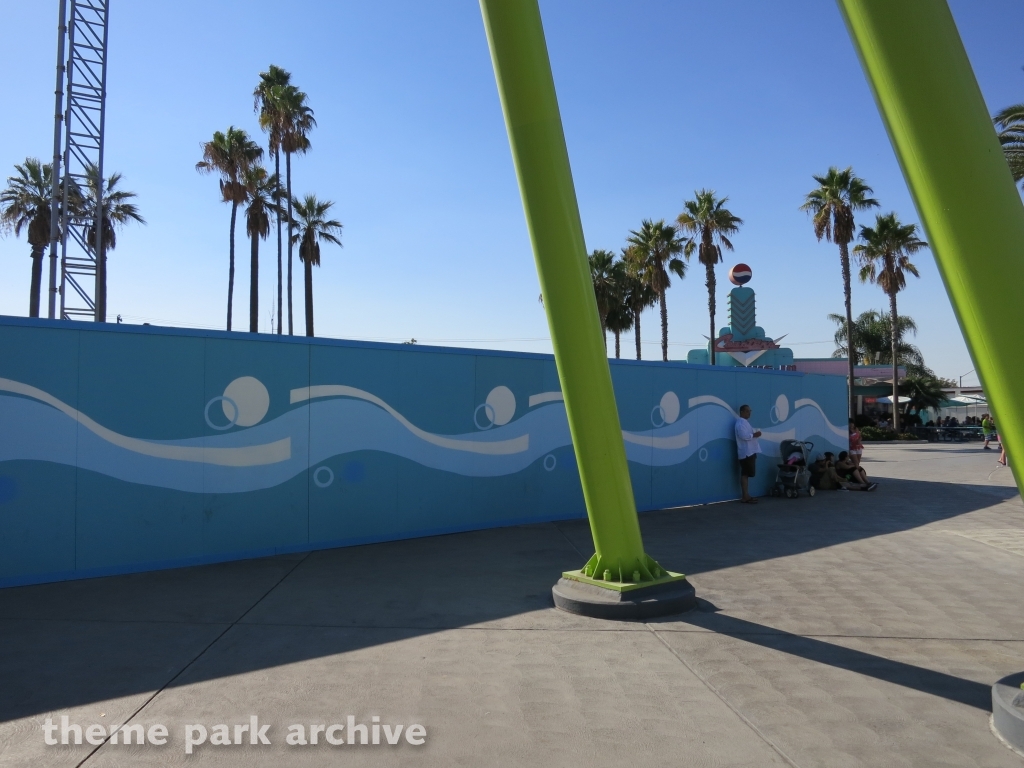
710, 283
617, 349
851, 347
664, 327
604, 333
254, 284
37, 280
231, 261
101, 300
636, 329
288, 171
895, 363
277, 215
308, 269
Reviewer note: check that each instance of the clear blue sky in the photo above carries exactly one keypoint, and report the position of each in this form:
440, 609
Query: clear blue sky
658, 99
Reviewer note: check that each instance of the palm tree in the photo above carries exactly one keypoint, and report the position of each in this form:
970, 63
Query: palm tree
885, 259
602, 274
261, 203
619, 318
1010, 124
116, 211
873, 332
656, 245
831, 206
25, 204
923, 391
708, 223
637, 294
297, 122
314, 227
230, 154
269, 104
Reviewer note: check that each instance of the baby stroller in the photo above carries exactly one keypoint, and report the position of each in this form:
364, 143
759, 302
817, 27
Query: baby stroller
794, 475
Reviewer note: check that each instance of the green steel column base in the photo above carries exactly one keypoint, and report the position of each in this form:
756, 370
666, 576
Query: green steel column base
622, 576
623, 602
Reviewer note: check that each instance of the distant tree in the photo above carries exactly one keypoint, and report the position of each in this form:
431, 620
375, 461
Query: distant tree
270, 104
116, 211
602, 275
656, 247
873, 334
637, 293
230, 154
923, 391
885, 258
260, 205
25, 205
1010, 125
708, 224
313, 228
832, 205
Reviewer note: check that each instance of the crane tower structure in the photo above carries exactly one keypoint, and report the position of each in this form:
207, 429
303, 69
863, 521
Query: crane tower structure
76, 240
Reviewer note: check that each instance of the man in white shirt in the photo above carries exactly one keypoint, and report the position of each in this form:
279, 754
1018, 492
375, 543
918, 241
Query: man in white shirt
747, 447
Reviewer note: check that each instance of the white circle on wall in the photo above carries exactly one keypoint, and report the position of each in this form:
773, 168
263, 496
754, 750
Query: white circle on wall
503, 405
782, 407
670, 407
251, 398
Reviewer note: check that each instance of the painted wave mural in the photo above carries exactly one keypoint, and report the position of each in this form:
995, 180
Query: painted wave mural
330, 420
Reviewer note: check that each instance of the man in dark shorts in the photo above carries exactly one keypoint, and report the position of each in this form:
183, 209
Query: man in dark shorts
747, 449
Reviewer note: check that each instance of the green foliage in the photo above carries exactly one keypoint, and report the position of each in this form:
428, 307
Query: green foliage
833, 202
907, 436
886, 251
872, 333
1010, 126
874, 433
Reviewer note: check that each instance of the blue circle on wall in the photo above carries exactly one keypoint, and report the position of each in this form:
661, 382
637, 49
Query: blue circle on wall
8, 489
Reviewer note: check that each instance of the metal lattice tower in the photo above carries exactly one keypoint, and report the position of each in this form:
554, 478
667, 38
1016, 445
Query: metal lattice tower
78, 146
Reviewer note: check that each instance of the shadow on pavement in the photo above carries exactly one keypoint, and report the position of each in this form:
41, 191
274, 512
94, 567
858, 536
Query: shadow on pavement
69, 644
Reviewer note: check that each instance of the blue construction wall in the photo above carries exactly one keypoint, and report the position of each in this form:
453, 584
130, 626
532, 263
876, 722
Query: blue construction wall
132, 448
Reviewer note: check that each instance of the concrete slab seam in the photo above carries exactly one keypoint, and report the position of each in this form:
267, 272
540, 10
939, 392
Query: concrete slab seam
764, 737
198, 656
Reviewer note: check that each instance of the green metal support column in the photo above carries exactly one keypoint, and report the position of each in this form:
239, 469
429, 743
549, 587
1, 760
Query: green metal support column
527, 89
940, 128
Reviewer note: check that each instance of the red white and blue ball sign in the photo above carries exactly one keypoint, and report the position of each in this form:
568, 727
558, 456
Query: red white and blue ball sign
740, 274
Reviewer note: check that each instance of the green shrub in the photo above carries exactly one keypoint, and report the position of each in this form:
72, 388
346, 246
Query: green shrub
874, 433
907, 436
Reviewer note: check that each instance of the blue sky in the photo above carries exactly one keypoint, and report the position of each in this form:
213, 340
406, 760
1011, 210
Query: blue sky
658, 99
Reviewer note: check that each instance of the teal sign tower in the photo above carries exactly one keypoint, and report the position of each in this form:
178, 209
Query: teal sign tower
743, 341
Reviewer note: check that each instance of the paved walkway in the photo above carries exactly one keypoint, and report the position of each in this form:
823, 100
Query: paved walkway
850, 629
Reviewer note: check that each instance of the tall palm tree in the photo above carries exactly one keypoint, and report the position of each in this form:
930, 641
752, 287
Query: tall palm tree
297, 122
230, 154
832, 204
313, 228
25, 204
656, 245
260, 205
1010, 124
708, 223
269, 104
116, 211
885, 259
637, 294
602, 274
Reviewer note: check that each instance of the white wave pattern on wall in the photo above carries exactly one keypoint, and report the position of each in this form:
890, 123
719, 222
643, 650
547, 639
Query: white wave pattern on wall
334, 420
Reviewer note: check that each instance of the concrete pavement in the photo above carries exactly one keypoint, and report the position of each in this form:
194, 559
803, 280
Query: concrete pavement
851, 629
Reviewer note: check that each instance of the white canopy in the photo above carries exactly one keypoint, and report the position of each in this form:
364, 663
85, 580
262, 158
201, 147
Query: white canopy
888, 400
966, 400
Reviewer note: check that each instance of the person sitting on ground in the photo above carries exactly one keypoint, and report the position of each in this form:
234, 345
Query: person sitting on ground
825, 478
845, 468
